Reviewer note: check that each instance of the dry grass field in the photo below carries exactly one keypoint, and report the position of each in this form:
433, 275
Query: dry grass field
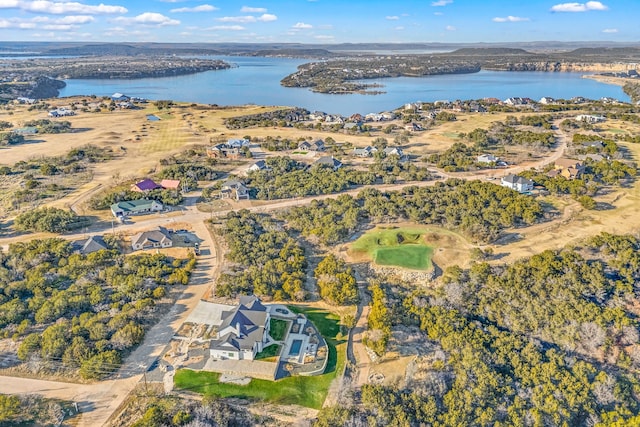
140, 144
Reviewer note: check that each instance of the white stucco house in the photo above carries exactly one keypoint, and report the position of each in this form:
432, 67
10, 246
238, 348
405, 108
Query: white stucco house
244, 331
518, 183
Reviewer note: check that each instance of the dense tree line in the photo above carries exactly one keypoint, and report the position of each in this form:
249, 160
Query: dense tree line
211, 411
391, 167
336, 281
479, 209
379, 321
268, 261
457, 158
53, 220
49, 126
595, 175
118, 194
273, 118
504, 358
76, 312
11, 138
287, 178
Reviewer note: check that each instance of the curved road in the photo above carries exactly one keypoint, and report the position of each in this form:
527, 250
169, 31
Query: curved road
97, 402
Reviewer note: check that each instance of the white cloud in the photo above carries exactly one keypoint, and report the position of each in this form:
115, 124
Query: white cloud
321, 37
239, 19
57, 27
450, 28
302, 26
75, 19
438, 13
267, 17
438, 3
578, 7
392, 18
510, 19
248, 9
17, 24
227, 27
61, 8
610, 30
399, 28
201, 8
149, 18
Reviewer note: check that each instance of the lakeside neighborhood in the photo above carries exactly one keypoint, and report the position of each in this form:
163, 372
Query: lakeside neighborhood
241, 338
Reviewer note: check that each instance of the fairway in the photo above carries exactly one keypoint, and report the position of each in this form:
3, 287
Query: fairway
399, 247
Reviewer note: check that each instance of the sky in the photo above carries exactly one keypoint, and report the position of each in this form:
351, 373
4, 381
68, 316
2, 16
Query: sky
319, 21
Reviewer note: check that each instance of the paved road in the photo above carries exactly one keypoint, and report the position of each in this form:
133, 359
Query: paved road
99, 401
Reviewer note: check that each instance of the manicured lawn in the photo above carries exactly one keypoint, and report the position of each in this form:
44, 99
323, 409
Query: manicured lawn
415, 257
305, 391
269, 353
400, 247
278, 329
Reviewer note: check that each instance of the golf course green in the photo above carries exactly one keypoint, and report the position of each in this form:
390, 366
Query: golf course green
399, 247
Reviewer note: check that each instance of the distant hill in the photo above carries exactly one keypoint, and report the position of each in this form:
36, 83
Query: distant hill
120, 49
618, 52
484, 51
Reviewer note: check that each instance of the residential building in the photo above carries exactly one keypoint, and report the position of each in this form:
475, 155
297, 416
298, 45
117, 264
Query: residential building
152, 239
328, 161
89, 245
119, 97
364, 152
224, 151
517, 183
135, 207
170, 184
145, 185
394, 151
260, 165
233, 189
590, 118
487, 158
569, 168
238, 143
244, 331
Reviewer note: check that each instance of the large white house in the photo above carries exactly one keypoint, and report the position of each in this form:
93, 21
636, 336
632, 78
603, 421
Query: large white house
518, 183
243, 332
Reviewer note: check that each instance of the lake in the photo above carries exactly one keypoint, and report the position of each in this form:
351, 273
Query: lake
256, 80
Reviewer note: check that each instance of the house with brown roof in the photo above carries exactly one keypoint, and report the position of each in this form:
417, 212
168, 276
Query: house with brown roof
569, 168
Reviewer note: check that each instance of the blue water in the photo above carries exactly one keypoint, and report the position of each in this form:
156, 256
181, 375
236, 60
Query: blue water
295, 348
257, 81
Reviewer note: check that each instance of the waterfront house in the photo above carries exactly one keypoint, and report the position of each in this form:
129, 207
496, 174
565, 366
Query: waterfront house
119, 97
135, 207
244, 331
517, 183
152, 239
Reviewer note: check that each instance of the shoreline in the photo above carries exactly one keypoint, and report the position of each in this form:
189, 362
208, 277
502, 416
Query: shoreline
611, 80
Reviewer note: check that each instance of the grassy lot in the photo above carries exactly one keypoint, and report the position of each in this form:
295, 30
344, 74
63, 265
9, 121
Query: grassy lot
278, 329
400, 247
310, 392
269, 354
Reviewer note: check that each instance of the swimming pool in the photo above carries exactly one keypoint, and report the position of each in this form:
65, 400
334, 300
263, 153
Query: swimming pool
295, 348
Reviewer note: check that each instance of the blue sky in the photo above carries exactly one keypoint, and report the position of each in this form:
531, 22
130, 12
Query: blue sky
319, 21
